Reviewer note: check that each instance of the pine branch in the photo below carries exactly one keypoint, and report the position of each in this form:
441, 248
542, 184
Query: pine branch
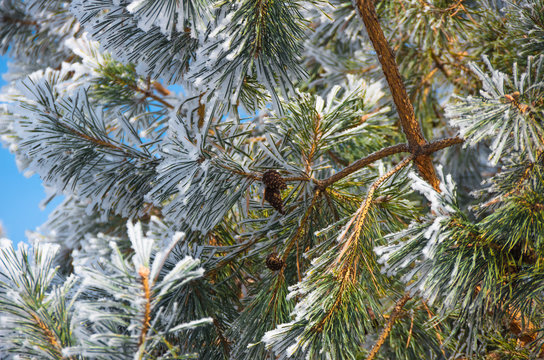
224, 342
144, 276
150, 94
92, 139
361, 213
380, 154
14, 21
358, 218
408, 121
49, 335
300, 229
359, 164
385, 333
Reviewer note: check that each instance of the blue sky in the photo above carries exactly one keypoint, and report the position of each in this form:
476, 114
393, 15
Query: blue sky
19, 196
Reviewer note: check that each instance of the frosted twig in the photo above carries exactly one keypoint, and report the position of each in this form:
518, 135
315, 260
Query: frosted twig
144, 274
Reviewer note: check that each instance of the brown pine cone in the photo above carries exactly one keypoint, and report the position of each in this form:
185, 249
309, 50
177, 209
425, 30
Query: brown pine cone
274, 262
274, 198
273, 180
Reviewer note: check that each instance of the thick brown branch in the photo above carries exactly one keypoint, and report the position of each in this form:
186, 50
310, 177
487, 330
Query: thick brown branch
361, 163
389, 66
426, 150
408, 121
441, 144
385, 333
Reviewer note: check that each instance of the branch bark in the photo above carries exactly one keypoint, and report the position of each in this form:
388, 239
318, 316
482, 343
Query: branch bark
359, 164
408, 121
426, 150
144, 275
385, 333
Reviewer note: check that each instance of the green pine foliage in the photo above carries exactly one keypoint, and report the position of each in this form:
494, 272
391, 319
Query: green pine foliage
170, 242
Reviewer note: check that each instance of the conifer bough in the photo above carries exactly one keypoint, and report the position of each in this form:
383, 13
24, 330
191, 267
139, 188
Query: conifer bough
236, 182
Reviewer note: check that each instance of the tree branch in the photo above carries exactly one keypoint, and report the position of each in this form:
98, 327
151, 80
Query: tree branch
426, 150
359, 164
150, 94
430, 148
91, 139
144, 275
52, 338
385, 333
14, 21
408, 121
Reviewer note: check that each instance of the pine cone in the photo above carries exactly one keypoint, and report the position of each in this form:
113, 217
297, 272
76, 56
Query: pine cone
274, 198
274, 262
273, 180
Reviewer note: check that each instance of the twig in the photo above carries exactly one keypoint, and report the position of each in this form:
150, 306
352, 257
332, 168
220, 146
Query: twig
14, 21
161, 89
89, 138
440, 65
300, 228
296, 178
331, 206
224, 342
385, 333
222, 339
251, 176
408, 121
337, 159
148, 92
509, 193
151, 95
144, 275
411, 328
435, 326
455, 7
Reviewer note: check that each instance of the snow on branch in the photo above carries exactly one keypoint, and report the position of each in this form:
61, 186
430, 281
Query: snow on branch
507, 110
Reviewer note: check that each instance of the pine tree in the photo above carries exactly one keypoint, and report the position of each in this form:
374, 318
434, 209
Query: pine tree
266, 179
